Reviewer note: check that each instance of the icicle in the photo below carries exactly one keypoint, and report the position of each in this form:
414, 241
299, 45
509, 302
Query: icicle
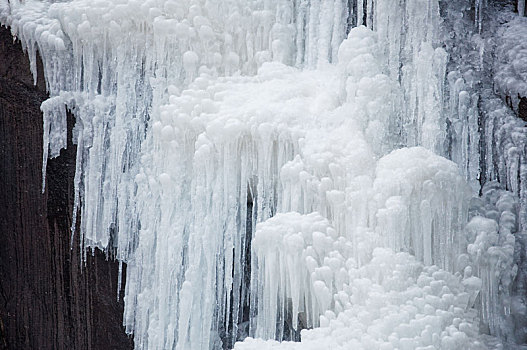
186, 109
360, 12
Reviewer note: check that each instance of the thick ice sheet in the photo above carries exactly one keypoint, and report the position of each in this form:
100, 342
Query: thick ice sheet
258, 173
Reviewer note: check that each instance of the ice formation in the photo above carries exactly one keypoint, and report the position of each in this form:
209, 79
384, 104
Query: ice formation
511, 65
276, 169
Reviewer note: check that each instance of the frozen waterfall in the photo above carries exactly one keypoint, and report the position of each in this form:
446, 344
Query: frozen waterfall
295, 174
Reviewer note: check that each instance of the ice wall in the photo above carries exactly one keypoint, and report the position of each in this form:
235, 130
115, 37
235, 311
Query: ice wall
251, 166
485, 139
510, 66
409, 37
122, 59
115, 63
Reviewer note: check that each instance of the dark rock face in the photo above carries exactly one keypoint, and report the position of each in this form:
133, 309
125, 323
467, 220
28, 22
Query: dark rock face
48, 299
522, 108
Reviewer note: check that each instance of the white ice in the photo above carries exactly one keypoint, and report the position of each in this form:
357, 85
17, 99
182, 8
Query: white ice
221, 137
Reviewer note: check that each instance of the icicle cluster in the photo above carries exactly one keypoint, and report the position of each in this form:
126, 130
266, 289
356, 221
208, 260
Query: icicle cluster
121, 59
409, 36
511, 63
491, 256
486, 141
242, 157
393, 302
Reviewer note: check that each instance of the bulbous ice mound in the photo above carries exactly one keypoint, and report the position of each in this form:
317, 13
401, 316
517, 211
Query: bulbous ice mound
359, 295
392, 302
419, 194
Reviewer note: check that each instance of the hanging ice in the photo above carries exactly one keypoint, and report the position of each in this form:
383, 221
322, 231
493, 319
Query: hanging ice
261, 171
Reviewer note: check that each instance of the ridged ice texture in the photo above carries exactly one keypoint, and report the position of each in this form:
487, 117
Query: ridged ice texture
280, 139
491, 234
506, 161
409, 38
119, 60
393, 302
328, 271
487, 140
511, 61
181, 151
283, 139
